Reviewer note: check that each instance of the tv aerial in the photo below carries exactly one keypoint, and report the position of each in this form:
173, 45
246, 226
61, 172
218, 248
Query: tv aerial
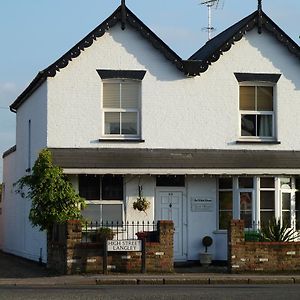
210, 4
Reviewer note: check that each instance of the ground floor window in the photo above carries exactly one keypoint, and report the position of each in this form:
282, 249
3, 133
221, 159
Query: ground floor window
104, 197
257, 200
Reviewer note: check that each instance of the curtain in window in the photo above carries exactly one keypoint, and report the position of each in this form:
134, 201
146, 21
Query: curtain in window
264, 125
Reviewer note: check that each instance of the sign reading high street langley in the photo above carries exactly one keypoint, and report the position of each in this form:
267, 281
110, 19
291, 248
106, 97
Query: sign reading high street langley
124, 245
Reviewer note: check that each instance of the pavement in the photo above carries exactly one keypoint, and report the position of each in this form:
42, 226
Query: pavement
16, 271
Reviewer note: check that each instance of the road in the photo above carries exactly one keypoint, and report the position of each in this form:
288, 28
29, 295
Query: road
165, 292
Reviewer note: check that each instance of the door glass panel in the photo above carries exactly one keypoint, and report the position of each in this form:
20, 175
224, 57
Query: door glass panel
267, 200
265, 217
267, 182
285, 183
225, 183
286, 201
286, 218
245, 182
246, 208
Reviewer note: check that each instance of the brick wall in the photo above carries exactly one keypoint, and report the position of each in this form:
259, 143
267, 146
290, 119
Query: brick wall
67, 255
260, 256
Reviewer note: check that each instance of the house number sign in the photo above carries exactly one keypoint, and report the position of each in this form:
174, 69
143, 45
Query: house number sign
124, 245
201, 204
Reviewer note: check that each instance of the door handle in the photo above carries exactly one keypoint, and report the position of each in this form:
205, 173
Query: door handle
170, 205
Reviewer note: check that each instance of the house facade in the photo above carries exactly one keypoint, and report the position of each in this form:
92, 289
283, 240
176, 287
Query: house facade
204, 140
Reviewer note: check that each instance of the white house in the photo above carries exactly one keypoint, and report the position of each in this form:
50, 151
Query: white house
208, 138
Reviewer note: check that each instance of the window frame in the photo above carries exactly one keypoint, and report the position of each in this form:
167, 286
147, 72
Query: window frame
102, 202
137, 110
220, 190
272, 113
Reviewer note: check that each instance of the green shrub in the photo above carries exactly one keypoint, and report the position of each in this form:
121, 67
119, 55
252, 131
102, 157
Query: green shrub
253, 236
277, 232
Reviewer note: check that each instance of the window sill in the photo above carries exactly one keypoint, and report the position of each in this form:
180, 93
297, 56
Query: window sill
122, 140
270, 142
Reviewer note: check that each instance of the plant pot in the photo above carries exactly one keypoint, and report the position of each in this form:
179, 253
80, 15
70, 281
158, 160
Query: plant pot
205, 259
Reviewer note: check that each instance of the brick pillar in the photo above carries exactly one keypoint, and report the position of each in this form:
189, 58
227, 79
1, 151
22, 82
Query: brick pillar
236, 237
165, 230
60, 244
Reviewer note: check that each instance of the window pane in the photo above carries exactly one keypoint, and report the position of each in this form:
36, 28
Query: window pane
112, 187
89, 187
286, 201
112, 123
112, 213
111, 95
265, 98
129, 123
286, 218
246, 208
265, 125
285, 183
248, 123
92, 213
245, 182
225, 183
298, 183
224, 219
298, 201
267, 182
130, 95
298, 220
164, 180
265, 217
267, 200
247, 98
225, 200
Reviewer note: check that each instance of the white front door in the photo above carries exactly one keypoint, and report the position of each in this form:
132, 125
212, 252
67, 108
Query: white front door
170, 207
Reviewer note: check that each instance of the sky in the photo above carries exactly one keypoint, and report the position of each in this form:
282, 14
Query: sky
35, 33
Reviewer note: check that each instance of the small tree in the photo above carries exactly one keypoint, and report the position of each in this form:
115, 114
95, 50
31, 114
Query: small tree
53, 197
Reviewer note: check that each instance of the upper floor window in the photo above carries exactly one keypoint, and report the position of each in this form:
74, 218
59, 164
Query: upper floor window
256, 106
121, 108
121, 103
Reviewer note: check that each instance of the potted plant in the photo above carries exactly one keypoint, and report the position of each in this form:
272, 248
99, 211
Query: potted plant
101, 235
206, 258
141, 203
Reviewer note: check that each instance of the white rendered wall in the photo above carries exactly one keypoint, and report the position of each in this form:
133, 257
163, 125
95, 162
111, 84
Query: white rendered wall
20, 237
177, 112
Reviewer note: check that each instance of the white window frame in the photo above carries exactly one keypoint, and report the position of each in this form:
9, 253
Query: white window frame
262, 189
101, 202
218, 201
257, 113
120, 110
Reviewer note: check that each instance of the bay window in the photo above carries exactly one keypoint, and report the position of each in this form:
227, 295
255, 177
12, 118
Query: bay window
225, 202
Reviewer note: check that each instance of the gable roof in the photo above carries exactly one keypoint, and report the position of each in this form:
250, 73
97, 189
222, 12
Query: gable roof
121, 15
195, 65
200, 61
